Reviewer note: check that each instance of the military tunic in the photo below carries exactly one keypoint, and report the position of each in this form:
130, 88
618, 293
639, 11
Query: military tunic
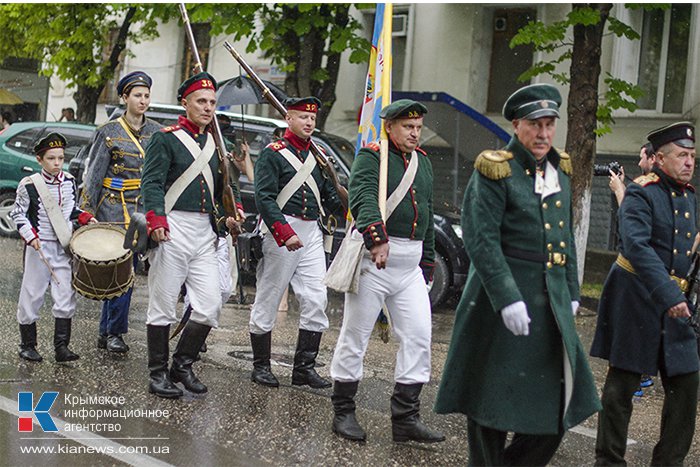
190, 256
112, 187
521, 246
401, 285
305, 267
657, 229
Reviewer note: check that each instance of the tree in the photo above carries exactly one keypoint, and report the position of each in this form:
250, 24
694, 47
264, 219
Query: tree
305, 40
72, 41
588, 115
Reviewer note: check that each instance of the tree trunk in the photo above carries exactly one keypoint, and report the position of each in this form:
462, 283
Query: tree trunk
582, 121
86, 98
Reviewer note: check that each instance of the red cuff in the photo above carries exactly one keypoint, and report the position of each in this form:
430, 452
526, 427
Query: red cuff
155, 222
240, 206
427, 268
36, 235
282, 232
375, 234
84, 218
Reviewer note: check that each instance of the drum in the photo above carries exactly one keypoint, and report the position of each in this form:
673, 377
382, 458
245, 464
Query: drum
102, 268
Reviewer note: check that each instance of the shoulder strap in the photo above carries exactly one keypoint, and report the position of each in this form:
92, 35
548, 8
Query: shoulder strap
200, 165
406, 181
302, 176
53, 210
135, 140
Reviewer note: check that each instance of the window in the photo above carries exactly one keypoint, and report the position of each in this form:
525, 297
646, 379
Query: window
24, 142
663, 58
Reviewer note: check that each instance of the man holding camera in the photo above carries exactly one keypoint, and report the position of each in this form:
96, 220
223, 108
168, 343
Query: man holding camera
617, 179
643, 325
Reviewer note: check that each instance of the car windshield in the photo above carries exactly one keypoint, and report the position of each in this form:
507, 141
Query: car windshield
342, 147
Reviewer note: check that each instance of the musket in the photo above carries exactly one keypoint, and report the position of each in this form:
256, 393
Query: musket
326, 163
228, 197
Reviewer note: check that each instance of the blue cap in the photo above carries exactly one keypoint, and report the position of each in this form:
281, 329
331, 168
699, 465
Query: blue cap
135, 78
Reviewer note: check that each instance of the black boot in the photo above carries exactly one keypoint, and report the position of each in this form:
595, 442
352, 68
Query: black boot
102, 341
344, 422
27, 348
305, 360
405, 420
186, 352
262, 372
158, 354
61, 340
116, 344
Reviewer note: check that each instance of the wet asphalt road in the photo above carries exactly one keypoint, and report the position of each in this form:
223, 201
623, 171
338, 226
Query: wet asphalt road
238, 422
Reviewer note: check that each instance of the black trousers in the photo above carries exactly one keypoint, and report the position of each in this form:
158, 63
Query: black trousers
677, 417
487, 446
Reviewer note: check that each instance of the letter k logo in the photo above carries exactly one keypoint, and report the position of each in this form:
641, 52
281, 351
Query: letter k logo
25, 403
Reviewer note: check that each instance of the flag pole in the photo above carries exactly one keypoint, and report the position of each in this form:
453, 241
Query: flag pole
386, 100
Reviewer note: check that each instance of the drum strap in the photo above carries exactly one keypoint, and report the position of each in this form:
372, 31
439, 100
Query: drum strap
199, 166
53, 210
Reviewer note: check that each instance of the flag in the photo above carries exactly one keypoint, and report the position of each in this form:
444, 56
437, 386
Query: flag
378, 83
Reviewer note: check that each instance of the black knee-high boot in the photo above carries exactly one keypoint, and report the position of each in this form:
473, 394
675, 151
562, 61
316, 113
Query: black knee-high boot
344, 422
61, 340
305, 361
27, 347
186, 352
406, 424
158, 354
262, 372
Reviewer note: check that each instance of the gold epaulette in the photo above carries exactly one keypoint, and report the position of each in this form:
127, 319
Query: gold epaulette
169, 129
494, 164
373, 145
565, 163
647, 179
277, 145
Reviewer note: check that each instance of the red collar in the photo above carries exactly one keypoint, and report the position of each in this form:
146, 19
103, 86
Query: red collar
297, 142
52, 179
188, 125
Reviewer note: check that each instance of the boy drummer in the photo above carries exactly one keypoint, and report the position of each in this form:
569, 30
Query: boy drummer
44, 210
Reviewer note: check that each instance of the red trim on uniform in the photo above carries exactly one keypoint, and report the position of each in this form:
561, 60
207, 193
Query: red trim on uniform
197, 85
36, 235
282, 232
240, 206
188, 125
373, 146
155, 222
375, 234
84, 218
420, 150
427, 269
413, 201
299, 143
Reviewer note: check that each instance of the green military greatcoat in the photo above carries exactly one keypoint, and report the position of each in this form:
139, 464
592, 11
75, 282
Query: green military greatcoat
412, 218
499, 380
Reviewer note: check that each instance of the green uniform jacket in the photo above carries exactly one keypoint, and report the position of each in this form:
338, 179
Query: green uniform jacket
412, 218
273, 172
166, 159
503, 381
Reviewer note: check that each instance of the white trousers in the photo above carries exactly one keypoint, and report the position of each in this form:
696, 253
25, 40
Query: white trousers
36, 280
225, 273
303, 268
402, 288
188, 258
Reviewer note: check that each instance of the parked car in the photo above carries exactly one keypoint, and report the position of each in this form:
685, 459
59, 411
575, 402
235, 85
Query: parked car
17, 159
451, 263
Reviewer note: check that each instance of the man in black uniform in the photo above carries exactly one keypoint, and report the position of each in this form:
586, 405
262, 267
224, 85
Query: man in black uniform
643, 314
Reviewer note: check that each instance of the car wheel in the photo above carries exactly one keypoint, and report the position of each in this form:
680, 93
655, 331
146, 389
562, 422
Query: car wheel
7, 225
441, 281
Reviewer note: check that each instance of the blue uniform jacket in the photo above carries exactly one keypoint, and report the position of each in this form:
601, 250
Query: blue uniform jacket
657, 222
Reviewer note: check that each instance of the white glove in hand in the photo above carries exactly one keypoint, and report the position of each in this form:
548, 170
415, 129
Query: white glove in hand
516, 319
574, 307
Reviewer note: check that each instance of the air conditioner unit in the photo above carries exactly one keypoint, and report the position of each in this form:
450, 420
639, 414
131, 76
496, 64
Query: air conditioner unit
399, 25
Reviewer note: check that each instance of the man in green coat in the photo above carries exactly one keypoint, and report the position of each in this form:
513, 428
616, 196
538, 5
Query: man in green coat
515, 361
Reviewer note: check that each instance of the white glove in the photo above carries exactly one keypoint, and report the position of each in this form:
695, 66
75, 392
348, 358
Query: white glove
574, 307
516, 319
